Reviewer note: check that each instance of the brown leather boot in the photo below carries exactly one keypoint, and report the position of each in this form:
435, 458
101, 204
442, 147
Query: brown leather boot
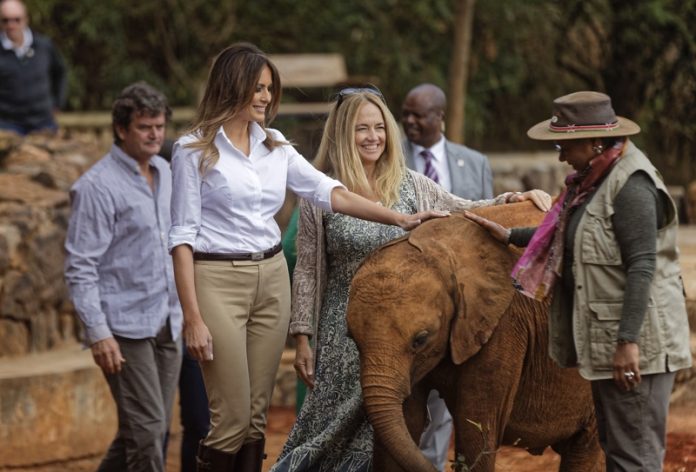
250, 457
213, 460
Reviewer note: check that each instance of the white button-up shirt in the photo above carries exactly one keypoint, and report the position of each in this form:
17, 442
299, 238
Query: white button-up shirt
230, 209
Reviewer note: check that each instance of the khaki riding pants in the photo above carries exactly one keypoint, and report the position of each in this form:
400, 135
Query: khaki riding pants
246, 306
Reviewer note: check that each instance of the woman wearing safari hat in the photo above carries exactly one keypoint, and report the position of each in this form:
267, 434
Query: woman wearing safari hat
606, 255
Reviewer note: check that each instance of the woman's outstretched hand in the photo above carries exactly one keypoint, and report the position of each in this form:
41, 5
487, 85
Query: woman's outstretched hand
499, 232
541, 199
408, 222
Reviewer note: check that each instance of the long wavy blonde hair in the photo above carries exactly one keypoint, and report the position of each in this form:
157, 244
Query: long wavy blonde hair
230, 88
338, 154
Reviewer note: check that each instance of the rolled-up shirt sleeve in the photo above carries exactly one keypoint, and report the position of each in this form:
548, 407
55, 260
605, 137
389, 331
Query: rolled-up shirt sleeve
309, 183
90, 232
186, 198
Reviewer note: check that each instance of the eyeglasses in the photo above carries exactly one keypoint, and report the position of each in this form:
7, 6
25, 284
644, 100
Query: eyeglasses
6, 21
371, 89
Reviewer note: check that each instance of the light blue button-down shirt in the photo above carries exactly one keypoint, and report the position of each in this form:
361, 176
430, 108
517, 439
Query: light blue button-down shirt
118, 270
231, 208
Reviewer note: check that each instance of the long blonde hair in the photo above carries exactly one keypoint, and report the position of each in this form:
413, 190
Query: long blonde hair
230, 88
338, 155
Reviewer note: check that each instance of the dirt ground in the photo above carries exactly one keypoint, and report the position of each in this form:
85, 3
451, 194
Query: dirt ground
680, 457
681, 448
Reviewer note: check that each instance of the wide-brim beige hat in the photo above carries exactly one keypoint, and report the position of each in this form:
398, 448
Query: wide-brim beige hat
582, 115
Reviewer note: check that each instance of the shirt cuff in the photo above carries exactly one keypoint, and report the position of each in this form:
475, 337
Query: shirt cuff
97, 333
300, 327
322, 197
179, 235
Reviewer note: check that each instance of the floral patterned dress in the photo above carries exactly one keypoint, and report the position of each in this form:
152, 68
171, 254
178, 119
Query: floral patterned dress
332, 433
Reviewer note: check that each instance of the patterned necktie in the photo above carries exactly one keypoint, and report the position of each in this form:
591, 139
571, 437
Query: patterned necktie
429, 169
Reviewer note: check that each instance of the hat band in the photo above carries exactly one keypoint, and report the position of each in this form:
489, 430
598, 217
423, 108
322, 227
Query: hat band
574, 128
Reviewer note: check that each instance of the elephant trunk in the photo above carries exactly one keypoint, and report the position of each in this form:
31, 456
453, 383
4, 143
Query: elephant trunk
384, 407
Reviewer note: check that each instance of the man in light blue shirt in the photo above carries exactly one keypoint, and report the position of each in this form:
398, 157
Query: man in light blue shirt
121, 279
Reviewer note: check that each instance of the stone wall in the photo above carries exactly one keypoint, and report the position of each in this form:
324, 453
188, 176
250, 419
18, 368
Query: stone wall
35, 175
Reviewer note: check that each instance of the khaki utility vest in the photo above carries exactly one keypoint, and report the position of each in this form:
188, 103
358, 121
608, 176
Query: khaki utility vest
600, 278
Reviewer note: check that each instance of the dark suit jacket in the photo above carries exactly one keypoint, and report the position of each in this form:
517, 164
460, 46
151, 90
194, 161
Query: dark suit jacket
469, 170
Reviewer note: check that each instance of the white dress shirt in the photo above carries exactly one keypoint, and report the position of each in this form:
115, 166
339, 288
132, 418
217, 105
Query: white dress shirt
230, 209
440, 162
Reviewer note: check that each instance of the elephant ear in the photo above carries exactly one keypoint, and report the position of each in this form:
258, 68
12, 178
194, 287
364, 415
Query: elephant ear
483, 292
479, 268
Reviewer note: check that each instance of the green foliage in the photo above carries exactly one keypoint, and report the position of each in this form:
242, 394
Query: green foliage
524, 53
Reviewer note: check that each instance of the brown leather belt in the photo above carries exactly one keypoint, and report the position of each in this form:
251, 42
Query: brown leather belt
239, 256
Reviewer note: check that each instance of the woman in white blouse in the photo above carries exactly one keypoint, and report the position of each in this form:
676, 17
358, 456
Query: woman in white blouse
230, 175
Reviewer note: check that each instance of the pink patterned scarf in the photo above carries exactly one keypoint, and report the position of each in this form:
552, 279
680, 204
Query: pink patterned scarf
539, 267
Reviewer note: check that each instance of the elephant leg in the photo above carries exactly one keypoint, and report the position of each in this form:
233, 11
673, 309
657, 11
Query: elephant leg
581, 452
484, 403
415, 415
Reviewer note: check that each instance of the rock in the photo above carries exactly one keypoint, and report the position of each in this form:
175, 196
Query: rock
55, 406
20, 188
14, 337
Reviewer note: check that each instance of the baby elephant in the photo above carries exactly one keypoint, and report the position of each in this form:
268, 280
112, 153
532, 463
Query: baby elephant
437, 310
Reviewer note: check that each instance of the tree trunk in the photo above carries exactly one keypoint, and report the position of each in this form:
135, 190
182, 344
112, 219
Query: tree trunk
459, 69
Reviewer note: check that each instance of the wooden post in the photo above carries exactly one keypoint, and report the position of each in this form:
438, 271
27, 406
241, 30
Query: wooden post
459, 70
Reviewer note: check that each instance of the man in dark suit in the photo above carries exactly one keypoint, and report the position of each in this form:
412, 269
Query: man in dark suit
459, 169
463, 172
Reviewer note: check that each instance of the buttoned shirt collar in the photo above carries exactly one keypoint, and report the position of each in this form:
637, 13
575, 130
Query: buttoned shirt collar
21, 50
439, 152
256, 135
125, 160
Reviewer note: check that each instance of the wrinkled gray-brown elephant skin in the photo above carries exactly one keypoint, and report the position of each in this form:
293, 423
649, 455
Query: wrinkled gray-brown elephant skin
436, 309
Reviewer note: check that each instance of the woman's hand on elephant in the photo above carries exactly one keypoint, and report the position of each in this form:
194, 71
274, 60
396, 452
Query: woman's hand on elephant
499, 232
408, 222
541, 199
304, 360
626, 365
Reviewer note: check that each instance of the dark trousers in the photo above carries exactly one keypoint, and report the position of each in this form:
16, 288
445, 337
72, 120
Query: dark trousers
195, 417
632, 425
144, 393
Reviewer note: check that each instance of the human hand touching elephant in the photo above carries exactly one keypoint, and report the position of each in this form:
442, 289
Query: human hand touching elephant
541, 199
499, 232
304, 360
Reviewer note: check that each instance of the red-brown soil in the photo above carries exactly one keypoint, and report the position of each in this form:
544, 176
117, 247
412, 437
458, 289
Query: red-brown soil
680, 457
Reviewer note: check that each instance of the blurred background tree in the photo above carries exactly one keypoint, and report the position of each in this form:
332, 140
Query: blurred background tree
523, 54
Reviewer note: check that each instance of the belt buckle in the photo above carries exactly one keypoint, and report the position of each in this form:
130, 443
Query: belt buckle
257, 256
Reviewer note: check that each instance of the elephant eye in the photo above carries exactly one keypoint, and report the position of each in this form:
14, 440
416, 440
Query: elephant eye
419, 339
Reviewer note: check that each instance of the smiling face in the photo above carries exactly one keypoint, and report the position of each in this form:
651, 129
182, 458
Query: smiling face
370, 134
576, 152
421, 117
256, 110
